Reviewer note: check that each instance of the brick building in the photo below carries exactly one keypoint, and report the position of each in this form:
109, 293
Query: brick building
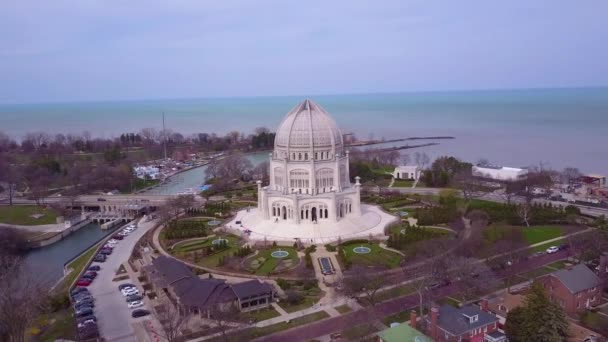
575, 288
469, 323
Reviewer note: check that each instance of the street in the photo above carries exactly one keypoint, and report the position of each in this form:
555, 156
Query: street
338, 324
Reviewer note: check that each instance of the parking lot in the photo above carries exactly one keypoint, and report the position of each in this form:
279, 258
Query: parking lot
113, 315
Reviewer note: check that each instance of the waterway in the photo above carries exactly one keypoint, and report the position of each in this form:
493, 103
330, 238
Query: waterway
47, 262
194, 178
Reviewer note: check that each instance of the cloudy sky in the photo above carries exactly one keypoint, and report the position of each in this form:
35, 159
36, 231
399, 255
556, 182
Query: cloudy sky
73, 50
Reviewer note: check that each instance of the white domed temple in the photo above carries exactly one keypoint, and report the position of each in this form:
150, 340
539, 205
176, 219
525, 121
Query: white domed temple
310, 195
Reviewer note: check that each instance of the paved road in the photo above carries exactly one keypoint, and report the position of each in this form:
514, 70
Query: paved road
113, 315
332, 325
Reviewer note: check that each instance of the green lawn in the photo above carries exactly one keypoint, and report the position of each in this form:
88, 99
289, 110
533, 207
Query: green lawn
264, 263
186, 250
393, 293
359, 331
343, 309
22, 215
275, 328
536, 273
402, 183
76, 265
377, 256
262, 315
536, 234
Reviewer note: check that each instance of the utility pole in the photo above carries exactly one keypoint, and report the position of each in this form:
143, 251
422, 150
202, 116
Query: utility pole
164, 137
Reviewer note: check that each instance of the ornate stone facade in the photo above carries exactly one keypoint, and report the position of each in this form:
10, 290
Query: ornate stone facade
309, 171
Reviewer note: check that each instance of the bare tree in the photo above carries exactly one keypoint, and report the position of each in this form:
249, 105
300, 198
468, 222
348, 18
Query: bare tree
471, 277
172, 320
470, 186
22, 299
524, 211
570, 174
362, 282
262, 172
226, 317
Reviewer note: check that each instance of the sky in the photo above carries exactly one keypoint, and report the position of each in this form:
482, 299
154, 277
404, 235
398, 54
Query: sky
87, 50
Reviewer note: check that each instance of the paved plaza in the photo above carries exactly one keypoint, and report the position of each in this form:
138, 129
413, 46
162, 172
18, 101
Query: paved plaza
372, 221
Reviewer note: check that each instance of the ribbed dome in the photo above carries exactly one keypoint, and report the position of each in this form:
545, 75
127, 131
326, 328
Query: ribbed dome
308, 126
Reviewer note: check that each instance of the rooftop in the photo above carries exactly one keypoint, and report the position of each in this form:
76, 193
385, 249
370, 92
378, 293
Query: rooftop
578, 278
251, 288
401, 333
455, 321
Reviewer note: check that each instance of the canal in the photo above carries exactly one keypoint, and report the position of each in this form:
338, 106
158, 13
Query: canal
47, 262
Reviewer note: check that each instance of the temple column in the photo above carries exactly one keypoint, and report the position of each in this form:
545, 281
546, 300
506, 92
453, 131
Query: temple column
296, 206
333, 210
357, 201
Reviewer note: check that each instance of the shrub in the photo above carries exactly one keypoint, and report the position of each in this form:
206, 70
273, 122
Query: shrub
330, 248
284, 284
293, 297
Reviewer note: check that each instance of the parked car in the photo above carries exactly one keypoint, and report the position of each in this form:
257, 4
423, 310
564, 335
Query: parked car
130, 291
135, 304
564, 247
83, 282
85, 312
93, 273
552, 249
83, 298
95, 268
125, 285
118, 237
87, 323
78, 290
86, 303
133, 298
101, 199
105, 251
113, 241
100, 258
139, 313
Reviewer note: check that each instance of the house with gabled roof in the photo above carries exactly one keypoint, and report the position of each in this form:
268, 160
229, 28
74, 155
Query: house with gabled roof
574, 288
469, 323
174, 280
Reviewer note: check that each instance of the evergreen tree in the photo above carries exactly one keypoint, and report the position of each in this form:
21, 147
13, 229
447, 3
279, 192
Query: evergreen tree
538, 320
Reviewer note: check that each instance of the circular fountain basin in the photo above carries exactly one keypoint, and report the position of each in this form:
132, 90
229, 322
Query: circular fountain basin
279, 254
362, 250
214, 223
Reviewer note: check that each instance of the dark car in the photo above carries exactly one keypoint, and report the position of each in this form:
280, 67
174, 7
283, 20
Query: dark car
82, 299
84, 312
105, 251
118, 237
78, 290
85, 303
139, 313
564, 247
95, 268
100, 258
122, 286
133, 298
101, 199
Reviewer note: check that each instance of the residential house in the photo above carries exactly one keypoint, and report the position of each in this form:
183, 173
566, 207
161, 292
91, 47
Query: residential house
403, 332
575, 288
174, 280
469, 323
411, 172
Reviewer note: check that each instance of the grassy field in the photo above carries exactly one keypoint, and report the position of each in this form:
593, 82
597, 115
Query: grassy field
402, 183
264, 263
76, 265
538, 234
142, 184
259, 332
395, 292
378, 255
343, 309
186, 249
536, 273
22, 215
190, 245
262, 315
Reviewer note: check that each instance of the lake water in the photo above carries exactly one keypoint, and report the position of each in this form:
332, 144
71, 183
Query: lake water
558, 127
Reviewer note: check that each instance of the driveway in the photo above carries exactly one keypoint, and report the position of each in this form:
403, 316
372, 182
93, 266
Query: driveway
113, 315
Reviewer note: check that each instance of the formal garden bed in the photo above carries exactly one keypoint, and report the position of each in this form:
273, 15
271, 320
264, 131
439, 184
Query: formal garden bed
210, 252
273, 261
362, 252
403, 183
